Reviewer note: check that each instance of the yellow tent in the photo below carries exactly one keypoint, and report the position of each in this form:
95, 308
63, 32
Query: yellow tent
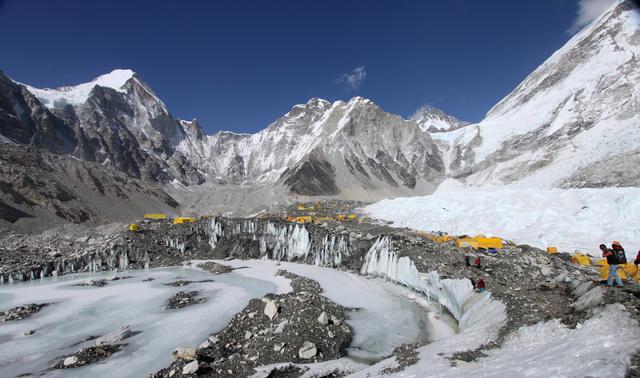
625, 271
479, 242
440, 238
180, 220
133, 227
155, 216
581, 259
552, 249
304, 219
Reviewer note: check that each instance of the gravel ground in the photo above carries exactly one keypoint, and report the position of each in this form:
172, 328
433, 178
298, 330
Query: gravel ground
21, 312
301, 326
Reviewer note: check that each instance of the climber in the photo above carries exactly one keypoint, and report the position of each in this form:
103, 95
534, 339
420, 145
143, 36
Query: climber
477, 263
480, 285
466, 260
637, 260
613, 264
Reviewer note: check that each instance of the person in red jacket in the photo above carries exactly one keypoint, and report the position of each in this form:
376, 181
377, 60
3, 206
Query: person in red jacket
477, 263
480, 285
613, 262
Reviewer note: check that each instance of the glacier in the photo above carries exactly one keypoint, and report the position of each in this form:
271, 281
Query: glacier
469, 308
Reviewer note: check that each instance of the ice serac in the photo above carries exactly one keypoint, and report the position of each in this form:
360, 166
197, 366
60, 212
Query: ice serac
456, 295
569, 122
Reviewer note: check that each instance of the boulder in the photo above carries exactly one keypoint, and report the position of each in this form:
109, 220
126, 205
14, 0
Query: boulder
281, 325
72, 360
186, 354
307, 350
323, 318
114, 337
271, 309
190, 368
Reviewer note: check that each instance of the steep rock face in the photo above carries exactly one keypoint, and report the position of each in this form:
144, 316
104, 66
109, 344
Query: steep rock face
311, 177
23, 120
579, 110
115, 120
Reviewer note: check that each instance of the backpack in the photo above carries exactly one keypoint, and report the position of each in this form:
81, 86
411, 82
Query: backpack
620, 256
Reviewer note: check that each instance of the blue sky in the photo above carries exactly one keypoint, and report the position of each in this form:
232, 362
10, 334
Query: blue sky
239, 65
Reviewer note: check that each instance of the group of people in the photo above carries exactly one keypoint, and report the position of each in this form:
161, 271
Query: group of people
480, 285
616, 256
476, 263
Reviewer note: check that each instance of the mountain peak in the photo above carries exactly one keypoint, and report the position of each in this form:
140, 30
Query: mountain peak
114, 79
434, 120
77, 94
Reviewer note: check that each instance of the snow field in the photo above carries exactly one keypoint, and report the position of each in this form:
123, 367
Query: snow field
570, 219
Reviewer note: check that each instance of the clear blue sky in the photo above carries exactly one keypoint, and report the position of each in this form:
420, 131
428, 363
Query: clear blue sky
239, 65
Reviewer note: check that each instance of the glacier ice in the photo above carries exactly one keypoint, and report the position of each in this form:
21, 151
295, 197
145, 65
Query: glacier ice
456, 295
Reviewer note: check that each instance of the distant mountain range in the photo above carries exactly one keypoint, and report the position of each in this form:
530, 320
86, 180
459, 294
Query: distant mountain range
573, 122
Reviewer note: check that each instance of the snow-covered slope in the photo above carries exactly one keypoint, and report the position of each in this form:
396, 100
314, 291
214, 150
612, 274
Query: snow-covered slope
570, 219
568, 119
75, 95
435, 120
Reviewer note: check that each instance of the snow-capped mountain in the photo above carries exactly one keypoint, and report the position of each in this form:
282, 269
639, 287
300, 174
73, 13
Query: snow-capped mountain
318, 148
115, 120
435, 120
573, 122
323, 148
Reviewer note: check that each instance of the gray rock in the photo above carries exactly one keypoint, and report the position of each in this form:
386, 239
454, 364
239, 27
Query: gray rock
186, 354
191, 367
307, 350
271, 309
72, 360
281, 325
115, 336
323, 318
